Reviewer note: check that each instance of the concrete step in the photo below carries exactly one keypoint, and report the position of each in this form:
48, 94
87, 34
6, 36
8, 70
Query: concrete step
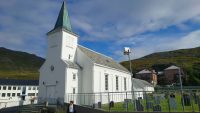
31, 108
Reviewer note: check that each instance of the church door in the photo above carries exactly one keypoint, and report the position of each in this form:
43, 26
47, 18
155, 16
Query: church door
51, 94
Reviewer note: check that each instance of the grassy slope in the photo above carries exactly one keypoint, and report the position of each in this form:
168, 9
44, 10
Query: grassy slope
19, 65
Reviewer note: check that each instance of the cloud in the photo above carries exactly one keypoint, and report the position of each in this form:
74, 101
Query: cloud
24, 24
132, 17
147, 44
134, 23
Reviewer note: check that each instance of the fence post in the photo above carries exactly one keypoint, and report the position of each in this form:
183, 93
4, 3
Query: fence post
126, 103
84, 98
146, 101
191, 101
101, 97
168, 97
109, 101
182, 101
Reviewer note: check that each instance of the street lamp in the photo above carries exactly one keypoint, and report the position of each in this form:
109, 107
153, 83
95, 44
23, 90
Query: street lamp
127, 52
180, 80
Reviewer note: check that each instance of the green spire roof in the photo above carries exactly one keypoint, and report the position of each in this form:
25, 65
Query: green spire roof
63, 20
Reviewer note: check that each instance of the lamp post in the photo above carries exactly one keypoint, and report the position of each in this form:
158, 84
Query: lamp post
127, 52
180, 80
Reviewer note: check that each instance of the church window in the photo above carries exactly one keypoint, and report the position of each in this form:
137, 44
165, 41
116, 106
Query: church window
74, 76
106, 82
52, 68
74, 90
117, 83
125, 84
29, 88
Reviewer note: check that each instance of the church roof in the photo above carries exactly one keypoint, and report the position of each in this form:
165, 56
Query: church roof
138, 83
19, 82
63, 20
72, 64
102, 59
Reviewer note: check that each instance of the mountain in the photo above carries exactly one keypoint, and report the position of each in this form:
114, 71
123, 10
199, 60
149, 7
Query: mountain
188, 59
19, 65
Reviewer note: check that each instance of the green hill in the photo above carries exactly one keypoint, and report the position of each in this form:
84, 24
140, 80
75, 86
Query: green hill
19, 65
188, 59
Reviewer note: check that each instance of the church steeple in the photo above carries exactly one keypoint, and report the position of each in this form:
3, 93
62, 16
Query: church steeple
63, 20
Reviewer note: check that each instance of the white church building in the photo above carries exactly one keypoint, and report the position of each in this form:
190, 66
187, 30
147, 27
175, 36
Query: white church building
71, 69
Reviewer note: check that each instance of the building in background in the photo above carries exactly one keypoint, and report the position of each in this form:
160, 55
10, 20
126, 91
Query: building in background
149, 76
171, 74
18, 92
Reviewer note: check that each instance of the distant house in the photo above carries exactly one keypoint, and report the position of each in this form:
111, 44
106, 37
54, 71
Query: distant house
149, 76
171, 74
18, 92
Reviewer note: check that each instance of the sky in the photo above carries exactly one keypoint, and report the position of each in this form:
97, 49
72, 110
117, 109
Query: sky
106, 26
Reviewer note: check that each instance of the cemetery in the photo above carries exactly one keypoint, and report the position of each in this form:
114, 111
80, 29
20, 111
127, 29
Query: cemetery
160, 101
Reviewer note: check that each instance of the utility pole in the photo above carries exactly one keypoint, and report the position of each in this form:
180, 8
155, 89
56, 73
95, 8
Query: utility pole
127, 52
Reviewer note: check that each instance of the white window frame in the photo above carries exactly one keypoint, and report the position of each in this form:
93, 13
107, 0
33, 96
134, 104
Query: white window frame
74, 90
9, 87
14, 88
13, 94
3, 95
125, 84
4, 87
74, 76
19, 88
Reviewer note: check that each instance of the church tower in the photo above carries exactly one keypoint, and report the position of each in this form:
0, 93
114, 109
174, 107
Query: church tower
56, 73
62, 42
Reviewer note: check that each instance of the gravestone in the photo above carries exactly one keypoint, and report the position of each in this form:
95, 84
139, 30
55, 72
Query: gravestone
111, 104
99, 104
149, 105
186, 99
94, 105
157, 108
196, 98
157, 100
125, 104
172, 102
139, 106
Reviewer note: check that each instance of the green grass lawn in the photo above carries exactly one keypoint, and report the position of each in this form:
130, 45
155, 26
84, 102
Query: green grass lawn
164, 103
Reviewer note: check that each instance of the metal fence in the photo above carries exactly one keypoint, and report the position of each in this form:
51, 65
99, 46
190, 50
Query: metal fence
158, 101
